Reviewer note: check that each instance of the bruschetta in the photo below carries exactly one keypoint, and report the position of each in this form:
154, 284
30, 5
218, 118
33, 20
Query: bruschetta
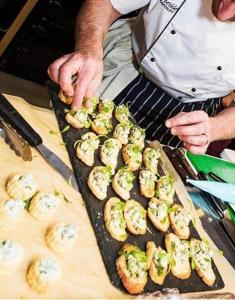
122, 113
147, 181
90, 104
65, 98
114, 218
106, 107
165, 189
85, 148
122, 131
132, 156
132, 268
109, 152
79, 118
135, 217
158, 263
180, 219
123, 183
98, 181
201, 260
101, 124
137, 136
158, 214
179, 251
151, 158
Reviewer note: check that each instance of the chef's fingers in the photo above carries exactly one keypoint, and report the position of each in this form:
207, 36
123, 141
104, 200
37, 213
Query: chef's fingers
53, 69
94, 84
193, 117
71, 67
197, 140
195, 129
85, 76
196, 149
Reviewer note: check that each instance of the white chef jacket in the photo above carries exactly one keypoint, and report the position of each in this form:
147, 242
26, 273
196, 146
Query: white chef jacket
182, 47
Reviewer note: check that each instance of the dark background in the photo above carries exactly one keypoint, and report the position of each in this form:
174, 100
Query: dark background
46, 34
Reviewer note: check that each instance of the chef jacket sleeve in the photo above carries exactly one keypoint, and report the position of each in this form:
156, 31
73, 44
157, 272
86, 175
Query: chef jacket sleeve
127, 6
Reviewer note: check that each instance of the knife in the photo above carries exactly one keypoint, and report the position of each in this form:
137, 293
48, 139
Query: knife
11, 116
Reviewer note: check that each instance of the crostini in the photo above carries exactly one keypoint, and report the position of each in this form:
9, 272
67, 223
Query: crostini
158, 263
132, 268
101, 124
114, 218
135, 217
122, 131
180, 219
90, 104
86, 146
137, 136
147, 181
158, 214
122, 113
165, 189
79, 118
65, 98
179, 251
132, 156
98, 181
109, 152
151, 158
201, 260
123, 182
106, 107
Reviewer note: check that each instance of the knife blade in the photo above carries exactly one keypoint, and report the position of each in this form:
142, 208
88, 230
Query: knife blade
12, 117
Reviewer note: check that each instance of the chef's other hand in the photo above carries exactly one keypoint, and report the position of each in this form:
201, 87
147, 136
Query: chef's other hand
193, 129
87, 65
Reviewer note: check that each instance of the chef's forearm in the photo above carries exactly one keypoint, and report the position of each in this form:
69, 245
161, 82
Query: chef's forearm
223, 124
92, 24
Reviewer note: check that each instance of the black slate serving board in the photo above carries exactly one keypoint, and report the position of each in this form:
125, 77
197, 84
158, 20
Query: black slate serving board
108, 246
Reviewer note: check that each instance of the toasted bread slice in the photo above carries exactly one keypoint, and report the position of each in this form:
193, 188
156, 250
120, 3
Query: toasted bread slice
137, 136
180, 220
179, 251
85, 148
114, 219
101, 124
90, 104
135, 217
79, 118
158, 214
158, 263
201, 256
147, 181
106, 107
123, 183
65, 98
133, 279
132, 156
122, 131
165, 189
98, 181
151, 158
122, 113
109, 152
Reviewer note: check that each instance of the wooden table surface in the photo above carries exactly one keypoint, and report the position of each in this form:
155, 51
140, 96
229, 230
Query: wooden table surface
84, 275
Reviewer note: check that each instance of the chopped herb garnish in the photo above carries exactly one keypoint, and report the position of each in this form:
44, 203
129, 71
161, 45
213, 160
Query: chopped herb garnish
65, 129
27, 204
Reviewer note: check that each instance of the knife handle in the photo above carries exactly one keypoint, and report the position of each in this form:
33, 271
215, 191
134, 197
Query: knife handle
11, 116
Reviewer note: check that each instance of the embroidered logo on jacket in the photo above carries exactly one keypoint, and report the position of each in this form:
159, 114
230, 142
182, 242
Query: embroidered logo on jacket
171, 7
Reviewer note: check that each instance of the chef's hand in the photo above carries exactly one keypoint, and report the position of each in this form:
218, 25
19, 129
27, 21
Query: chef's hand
87, 65
194, 129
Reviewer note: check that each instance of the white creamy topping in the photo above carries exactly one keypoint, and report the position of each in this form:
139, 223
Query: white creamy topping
135, 215
180, 251
81, 115
122, 130
147, 178
67, 232
158, 209
27, 181
182, 218
48, 203
203, 254
101, 178
14, 208
9, 251
49, 270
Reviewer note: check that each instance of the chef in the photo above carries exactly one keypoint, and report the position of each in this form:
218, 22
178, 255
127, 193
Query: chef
173, 65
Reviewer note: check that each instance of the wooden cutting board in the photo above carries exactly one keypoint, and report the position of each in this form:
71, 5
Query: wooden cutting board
84, 275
